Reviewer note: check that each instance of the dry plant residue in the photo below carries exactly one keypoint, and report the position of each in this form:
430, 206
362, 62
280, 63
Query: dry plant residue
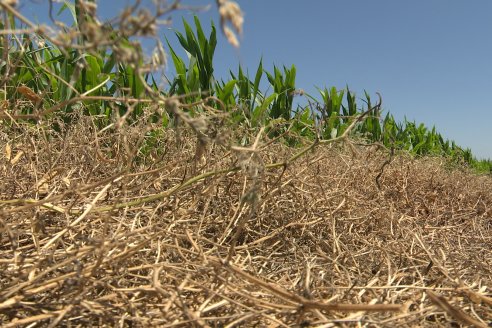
315, 245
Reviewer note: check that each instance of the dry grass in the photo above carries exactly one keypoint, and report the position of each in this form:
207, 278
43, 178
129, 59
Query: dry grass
315, 245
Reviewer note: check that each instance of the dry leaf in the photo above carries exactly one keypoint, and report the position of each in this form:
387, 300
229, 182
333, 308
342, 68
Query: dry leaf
4, 105
8, 152
17, 157
66, 181
42, 186
157, 185
29, 94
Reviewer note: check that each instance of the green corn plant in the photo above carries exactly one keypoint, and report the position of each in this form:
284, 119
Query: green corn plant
398, 137
303, 125
348, 112
284, 86
60, 74
37, 67
433, 146
197, 76
258, 102
225, 93
330, 111
351, 108
337, 116
255, 106
482, 166
182, 83
419, 139
444, 145
372, 125
260, 116
101, 66
252, 103
390, 130
244, 89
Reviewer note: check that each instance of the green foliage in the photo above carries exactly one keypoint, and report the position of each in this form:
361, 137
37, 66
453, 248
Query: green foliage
59, 74
284, 86
196, 77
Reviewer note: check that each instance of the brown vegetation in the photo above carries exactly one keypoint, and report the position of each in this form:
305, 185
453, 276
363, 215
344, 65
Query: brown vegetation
118, 228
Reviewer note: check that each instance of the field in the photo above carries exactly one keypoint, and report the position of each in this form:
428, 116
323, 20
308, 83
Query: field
213, 204
111, 240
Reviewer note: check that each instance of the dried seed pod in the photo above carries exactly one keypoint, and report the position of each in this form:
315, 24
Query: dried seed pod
230, 11
29, 94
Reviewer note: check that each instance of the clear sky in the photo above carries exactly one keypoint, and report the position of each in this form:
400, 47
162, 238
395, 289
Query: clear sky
430, 59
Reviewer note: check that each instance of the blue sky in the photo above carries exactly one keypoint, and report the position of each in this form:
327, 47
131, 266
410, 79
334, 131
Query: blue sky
430, 59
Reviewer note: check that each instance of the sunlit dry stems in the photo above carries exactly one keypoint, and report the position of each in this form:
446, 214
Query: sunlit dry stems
12, 3
230, 11
158, 57
88, 8
230, 36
